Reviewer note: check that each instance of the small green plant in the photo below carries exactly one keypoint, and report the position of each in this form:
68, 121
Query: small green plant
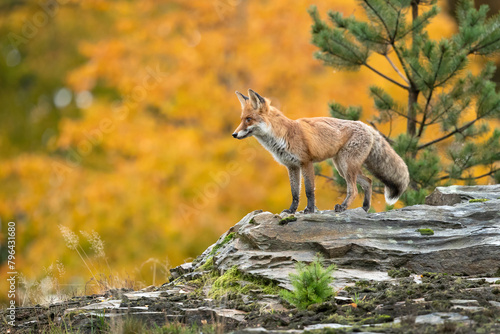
287, 220
311, 284
425, 231
478, 200
356, 300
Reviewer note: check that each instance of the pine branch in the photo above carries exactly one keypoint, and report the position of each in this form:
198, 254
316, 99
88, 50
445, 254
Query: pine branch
380, 18
396, 69
397, 23
386, 77
433, 121
417, 72
462, 128
423, 124
469, 178
401, 61
393, 110
426, 109
390, 4
449, 76
359, 60
419, 24
478, 47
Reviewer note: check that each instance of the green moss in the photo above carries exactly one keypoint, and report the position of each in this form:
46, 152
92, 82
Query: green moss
341, 319
234, 282
425, 231
216, 248
252, 221
287, 220
207, 279
377, 319
478, 200
208, 265
362, 283
399, 273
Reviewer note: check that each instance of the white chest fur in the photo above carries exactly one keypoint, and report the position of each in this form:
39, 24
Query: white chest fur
278, 148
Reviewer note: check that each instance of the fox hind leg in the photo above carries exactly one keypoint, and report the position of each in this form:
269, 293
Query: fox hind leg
366, 184
348, 163
352, 190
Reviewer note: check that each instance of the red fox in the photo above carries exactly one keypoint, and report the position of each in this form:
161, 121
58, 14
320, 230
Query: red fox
298, 144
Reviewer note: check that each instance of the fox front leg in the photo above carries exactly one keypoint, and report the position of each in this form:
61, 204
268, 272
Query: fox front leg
308, 174
294, 175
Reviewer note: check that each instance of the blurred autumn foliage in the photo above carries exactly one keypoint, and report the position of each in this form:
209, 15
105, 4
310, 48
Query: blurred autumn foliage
117, 118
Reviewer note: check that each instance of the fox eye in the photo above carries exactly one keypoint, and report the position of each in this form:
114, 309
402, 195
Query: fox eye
248, 119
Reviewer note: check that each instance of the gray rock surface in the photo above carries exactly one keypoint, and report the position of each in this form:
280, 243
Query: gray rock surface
462, 194
466, 241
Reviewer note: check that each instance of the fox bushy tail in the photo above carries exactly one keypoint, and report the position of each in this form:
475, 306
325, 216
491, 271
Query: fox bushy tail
387, 166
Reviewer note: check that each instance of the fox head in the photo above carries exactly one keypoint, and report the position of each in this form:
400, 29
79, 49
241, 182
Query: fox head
253, 110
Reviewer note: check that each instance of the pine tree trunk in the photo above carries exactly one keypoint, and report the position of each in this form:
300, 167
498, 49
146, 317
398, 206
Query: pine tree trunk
411, 125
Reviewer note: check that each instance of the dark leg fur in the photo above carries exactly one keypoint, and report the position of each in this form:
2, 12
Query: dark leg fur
308, 174
366, 184
294, 175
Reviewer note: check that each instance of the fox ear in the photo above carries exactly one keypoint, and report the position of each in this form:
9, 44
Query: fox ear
243, 99
256, 100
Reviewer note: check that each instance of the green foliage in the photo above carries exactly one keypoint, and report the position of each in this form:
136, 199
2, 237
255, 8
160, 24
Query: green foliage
337, 110
413, 197
432, 75
311, 284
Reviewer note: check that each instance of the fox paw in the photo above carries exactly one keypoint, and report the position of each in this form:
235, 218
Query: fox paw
309, 210
288, 211
339, 208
